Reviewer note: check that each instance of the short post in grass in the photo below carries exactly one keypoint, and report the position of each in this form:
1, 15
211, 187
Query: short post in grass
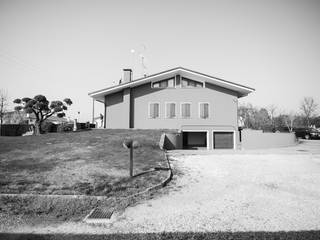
130, 144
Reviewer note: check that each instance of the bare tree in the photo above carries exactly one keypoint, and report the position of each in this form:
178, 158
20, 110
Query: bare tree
3, 106
247, 113
272, 111
289, 120
308, 107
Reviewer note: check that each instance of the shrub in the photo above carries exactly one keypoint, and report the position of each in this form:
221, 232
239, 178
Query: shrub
65, 127
48, 127
14, 129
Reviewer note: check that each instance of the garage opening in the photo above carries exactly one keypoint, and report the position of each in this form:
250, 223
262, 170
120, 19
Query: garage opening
223, 140
194, 140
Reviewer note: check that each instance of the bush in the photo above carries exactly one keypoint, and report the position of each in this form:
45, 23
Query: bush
81, 126
48, 127
65, 127
14, 129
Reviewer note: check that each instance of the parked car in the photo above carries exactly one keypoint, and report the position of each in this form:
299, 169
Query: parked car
307, 133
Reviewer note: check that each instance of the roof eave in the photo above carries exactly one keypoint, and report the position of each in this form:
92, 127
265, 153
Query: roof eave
243, 90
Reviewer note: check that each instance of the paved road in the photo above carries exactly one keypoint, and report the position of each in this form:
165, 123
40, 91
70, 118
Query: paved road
271, 190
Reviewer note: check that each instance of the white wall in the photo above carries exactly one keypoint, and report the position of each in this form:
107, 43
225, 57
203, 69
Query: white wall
255, 139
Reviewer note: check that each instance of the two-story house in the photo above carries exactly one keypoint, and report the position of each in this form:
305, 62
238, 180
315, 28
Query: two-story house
202, 107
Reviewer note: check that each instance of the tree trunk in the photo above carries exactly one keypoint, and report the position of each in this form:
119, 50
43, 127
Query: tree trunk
1, 124
308, 122
37, 128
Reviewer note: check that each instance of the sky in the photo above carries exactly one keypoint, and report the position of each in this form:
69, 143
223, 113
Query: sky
70, 48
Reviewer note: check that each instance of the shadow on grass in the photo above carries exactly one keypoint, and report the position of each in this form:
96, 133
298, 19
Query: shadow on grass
292, 235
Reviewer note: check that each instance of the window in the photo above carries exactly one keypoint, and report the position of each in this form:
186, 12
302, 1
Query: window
204, 110
185, 110
170, 110
164, 83
188, 83
171, 82
156, 85
154, 110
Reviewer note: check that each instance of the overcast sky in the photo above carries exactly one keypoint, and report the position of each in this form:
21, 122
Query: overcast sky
69, 48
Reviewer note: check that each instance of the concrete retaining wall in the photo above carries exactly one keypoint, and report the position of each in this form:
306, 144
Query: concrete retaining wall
170, 141
255, 139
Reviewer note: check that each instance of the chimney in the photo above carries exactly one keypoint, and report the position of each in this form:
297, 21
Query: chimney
127, 75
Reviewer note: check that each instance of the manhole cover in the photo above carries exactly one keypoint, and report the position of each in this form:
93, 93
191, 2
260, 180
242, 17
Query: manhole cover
99, 213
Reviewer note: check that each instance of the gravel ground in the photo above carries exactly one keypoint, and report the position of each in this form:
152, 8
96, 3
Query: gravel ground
235, 191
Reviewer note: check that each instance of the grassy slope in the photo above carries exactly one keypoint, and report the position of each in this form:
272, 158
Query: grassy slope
85, 163
90, 162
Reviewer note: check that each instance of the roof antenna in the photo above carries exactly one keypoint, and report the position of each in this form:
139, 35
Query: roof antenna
142, 58
144, 67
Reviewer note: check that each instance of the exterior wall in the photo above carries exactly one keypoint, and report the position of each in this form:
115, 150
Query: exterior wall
117, 111
254, 139
222, 106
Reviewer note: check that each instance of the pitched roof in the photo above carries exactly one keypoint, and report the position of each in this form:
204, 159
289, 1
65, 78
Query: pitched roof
184, 72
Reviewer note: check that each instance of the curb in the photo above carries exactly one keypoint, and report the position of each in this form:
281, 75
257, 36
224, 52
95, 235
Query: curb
155, 187
52, 196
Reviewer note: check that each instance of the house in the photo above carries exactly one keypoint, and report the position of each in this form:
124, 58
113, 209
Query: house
203, 108
18, 117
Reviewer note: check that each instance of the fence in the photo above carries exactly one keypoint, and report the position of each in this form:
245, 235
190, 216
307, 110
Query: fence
254, 139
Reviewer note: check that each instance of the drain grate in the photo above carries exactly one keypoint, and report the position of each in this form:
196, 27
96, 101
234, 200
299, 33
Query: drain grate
99, 213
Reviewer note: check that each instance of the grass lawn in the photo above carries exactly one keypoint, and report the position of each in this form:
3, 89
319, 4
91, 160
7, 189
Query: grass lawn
92, 163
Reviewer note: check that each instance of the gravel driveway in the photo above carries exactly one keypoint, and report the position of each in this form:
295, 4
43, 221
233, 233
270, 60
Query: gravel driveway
270, 190
250, 191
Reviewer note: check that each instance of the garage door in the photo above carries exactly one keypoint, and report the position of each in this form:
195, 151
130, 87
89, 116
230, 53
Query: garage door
194, 140
223, 140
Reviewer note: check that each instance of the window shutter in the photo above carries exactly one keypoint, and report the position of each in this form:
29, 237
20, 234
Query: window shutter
201, 111
168, 110
185, 110
204, 110
172, 110
151, 110
188, 110
154, 110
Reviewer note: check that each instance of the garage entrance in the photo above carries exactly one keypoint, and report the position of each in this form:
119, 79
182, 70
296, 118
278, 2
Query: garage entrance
194, 140
223, 140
